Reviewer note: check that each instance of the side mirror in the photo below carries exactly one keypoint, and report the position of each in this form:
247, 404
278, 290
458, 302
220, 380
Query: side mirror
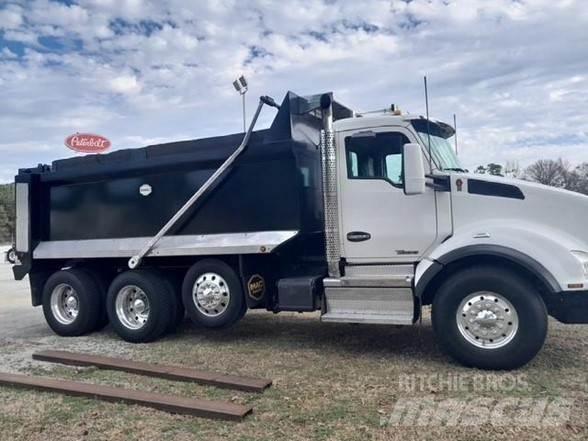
414, 169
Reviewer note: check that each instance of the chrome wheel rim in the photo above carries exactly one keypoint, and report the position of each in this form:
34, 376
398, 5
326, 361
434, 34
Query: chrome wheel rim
132, 307
487, 320
65, 304
211, 294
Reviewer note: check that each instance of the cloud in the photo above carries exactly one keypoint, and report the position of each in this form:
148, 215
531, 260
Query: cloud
125, 84
514, 72
11, 17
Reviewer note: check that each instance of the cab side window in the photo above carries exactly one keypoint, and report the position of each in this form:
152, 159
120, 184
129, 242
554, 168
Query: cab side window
378, 156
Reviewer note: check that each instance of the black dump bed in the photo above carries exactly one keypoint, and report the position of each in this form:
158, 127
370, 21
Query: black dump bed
274, 186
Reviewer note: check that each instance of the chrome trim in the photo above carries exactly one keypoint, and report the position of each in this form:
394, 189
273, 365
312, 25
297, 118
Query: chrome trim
132, 307
211, 294
65, 304
487, 320
380, 270
389, 281
22, 218
330, 199
261, 242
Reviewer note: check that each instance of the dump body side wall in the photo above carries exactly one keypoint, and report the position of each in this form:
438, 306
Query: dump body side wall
258, 194
274, 186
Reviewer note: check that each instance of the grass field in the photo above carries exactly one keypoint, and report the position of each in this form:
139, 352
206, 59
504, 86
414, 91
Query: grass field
331, 382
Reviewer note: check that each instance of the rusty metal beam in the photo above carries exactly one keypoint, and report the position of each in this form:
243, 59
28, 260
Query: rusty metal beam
169, 403
176, 373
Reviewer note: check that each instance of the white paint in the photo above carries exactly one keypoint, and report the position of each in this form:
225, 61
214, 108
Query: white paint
402, 227
545, 226
145, 190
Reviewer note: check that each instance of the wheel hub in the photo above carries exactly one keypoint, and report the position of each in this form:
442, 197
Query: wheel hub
487, 320
65, 304
71, 302
139, 306
132, 307
211, 294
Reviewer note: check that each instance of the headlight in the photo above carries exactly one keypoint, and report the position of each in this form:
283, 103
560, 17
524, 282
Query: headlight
582, 257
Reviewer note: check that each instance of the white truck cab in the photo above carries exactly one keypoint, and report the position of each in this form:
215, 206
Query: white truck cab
493, 255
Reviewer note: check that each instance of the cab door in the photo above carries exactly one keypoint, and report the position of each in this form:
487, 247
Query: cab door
379, 222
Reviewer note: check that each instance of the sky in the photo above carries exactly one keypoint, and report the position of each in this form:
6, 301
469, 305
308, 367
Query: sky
141, 72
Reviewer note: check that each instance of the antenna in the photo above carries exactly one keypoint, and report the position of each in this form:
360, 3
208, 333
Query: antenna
455, 132
428, 124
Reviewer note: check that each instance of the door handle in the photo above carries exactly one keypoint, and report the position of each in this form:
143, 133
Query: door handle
358, 236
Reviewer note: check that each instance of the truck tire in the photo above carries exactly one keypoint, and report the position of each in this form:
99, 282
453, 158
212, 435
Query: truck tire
178, 311
102, 285
212, 294
71, 302
244, 310
489, 318
140, 306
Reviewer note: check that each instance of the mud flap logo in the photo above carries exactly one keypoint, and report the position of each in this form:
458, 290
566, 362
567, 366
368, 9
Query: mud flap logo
256, 287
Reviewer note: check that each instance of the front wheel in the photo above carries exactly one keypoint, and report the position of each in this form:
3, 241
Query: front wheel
489, 318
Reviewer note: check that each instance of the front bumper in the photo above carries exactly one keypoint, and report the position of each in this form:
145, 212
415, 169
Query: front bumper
568, 306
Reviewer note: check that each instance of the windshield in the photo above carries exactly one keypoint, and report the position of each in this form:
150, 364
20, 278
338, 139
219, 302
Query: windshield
441, 148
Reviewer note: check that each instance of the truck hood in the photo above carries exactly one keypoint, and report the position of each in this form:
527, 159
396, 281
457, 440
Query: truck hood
481, 202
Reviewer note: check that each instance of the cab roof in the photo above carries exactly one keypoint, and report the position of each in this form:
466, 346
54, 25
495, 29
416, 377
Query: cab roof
390, 119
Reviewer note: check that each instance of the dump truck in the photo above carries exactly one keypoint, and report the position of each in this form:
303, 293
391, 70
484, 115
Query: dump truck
368, 218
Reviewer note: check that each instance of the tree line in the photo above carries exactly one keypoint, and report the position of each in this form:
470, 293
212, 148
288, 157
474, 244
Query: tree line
553, 172
7, 213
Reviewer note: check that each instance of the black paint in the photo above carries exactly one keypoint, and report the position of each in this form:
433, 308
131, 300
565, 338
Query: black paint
486, 188
274, 185
358, 236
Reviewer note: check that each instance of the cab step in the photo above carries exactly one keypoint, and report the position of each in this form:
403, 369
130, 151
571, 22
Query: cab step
369, 300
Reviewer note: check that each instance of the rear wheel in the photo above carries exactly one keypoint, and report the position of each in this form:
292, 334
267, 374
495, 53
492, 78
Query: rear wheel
212, 294
72, 304
140, 306
489, 318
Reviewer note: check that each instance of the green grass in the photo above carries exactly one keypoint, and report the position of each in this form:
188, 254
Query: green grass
331, 382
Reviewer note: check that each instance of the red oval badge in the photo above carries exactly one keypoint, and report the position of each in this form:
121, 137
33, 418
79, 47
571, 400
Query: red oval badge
87, 143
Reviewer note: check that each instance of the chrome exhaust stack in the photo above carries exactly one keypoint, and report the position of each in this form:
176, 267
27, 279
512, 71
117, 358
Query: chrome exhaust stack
329, 181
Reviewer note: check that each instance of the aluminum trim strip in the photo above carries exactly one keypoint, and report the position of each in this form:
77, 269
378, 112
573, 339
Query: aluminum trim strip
22, 217
261, 242
379, 270
389, 282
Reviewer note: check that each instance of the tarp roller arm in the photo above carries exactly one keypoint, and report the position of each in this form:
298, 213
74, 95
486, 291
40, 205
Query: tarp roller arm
135, 261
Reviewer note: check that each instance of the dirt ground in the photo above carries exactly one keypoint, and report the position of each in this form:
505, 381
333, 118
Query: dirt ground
331, 382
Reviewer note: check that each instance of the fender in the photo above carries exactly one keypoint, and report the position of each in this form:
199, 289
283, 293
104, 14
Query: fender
503, 252
545, 252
